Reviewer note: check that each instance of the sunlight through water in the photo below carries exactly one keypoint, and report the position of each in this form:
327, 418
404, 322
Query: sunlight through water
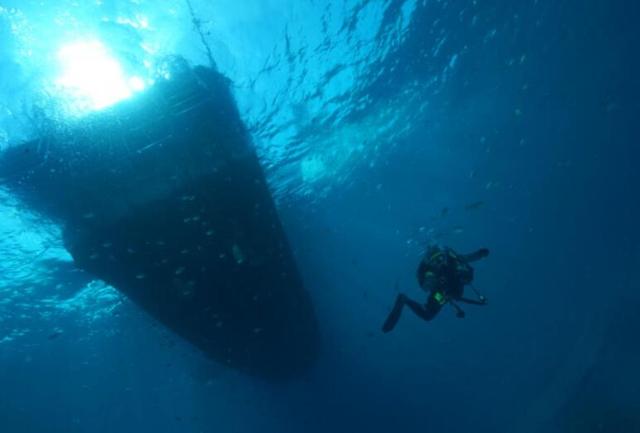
91, 78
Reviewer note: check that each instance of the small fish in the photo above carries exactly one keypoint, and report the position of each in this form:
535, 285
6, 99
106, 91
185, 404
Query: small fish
55, 335
237, 254
474, 205
444, 211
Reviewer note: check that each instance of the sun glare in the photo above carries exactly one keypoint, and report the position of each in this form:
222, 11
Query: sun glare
92, 77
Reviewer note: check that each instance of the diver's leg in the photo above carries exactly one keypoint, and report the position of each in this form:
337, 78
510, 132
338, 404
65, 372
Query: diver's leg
475, 256
425, 312
394, 316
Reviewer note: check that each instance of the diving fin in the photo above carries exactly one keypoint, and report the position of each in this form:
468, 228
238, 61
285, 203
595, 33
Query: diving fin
394, 316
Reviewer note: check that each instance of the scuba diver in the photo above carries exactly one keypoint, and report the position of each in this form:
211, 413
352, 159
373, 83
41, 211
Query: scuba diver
443, 274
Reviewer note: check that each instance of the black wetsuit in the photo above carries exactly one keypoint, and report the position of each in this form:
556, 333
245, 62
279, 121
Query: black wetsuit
442, 273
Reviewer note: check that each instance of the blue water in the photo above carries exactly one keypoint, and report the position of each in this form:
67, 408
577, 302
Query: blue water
382, 126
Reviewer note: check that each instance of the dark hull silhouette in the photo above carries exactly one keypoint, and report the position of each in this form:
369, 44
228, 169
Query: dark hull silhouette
163, 197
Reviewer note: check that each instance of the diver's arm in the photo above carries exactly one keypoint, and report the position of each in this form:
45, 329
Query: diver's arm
482, 301
475, 256
460, 314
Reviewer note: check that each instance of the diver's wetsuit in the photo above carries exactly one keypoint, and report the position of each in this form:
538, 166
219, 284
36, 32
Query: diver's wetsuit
442, 273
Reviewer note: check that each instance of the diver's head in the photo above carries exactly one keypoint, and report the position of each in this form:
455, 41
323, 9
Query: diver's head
432, 249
